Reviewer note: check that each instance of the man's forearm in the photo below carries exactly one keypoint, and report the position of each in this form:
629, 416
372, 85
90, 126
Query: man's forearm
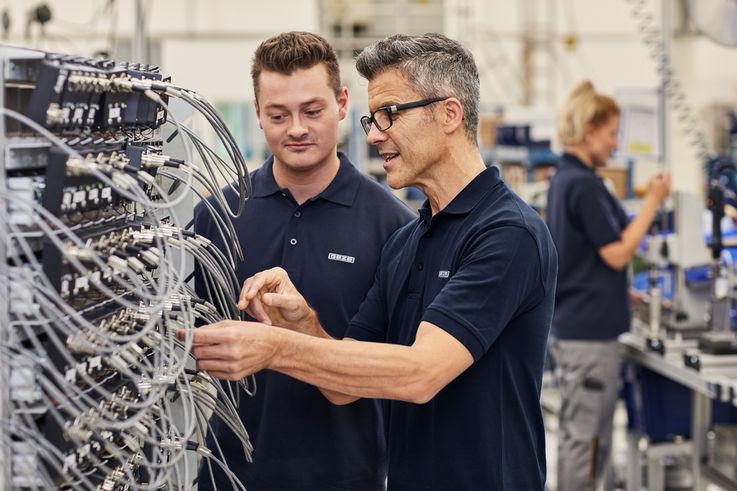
232, 350
375, 370
311, 326
355, 368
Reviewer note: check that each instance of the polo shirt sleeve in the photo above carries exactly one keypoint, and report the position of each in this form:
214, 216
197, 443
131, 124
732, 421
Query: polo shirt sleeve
589, 201
497, 278
369, 322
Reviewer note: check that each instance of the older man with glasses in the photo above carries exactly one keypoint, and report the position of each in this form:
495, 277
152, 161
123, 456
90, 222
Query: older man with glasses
382, 117
454, 329
315, 215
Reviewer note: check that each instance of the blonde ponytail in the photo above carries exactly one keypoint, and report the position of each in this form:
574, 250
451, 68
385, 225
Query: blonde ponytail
584, 106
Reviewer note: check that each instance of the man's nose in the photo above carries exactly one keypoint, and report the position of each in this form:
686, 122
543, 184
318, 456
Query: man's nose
375, 136
297, 127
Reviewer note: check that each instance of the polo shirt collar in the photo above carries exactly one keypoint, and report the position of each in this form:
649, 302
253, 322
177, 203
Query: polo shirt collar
570, 161
263, 181
468, 198
342, 190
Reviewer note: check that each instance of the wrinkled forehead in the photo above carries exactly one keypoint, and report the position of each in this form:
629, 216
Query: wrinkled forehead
390, 87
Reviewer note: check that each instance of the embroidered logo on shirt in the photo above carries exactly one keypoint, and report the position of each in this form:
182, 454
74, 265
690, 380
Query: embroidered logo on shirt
443, 273
341, 257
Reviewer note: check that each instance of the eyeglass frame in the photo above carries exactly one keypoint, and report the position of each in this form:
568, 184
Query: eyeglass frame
368, 121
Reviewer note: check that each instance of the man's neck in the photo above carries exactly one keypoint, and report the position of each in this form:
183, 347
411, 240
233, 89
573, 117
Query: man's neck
458, 168
308, 183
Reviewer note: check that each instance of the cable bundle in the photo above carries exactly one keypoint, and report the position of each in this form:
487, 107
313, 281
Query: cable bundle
100, 393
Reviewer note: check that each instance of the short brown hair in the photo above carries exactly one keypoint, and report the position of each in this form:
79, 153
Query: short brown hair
289, 51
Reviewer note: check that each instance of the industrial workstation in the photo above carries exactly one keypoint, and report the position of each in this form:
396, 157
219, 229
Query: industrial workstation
366, 245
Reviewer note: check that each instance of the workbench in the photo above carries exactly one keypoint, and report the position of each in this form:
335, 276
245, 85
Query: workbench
709, 378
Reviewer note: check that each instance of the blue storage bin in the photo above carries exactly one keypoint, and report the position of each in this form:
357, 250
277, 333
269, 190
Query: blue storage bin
661, 408
656, 406
641, 282
513, 135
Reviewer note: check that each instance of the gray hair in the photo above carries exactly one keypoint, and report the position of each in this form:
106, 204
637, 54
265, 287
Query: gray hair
436, 66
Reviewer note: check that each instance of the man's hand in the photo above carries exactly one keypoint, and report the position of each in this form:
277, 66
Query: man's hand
232, 350
271, 298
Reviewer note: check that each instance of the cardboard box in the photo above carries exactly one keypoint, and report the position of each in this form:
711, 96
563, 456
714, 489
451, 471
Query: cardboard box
617, 176
487, 131
515, 175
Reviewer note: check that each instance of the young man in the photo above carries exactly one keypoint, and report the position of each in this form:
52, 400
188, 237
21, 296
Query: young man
313, 214
455, 326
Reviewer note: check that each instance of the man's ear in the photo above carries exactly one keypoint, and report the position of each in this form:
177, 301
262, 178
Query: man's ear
342, 103
258, 112
452, 114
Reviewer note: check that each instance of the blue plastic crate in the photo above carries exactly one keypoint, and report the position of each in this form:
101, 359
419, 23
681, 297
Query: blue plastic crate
661, 408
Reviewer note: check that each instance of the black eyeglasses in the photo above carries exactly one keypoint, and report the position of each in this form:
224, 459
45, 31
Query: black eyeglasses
382, 117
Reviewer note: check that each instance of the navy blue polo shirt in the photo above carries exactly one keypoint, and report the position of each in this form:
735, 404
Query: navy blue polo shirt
330, 247
483, 269
592, 301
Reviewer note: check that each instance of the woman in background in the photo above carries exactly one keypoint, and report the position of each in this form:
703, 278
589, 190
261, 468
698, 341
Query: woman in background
595, 243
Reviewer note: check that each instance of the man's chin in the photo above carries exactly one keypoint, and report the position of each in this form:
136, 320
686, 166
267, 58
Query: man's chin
300, 163
395, 182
